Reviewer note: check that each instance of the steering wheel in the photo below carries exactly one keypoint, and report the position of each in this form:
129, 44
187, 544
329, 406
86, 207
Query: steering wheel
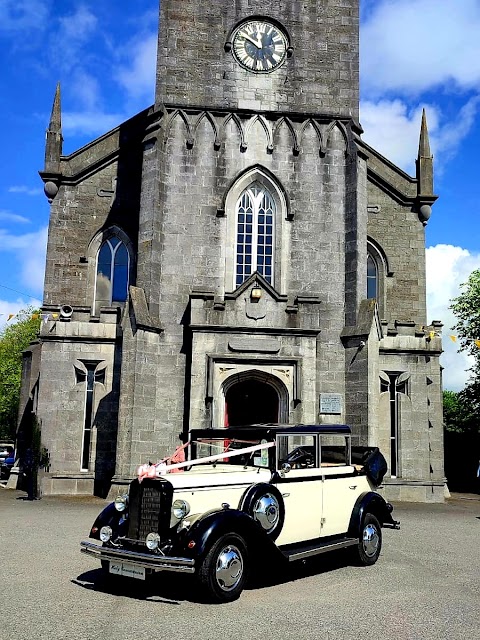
299, 457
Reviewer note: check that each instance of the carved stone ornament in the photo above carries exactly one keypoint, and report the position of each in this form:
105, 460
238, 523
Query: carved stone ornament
384, 377
255, 310
283, 372
223, 370
402, 378
51, 190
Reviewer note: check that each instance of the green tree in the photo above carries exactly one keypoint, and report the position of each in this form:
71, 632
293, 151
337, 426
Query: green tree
459, 412
466, 308
14, 338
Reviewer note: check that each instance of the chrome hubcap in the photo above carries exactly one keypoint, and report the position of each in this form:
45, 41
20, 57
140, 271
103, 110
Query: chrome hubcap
229, 569
371, 540
266, 511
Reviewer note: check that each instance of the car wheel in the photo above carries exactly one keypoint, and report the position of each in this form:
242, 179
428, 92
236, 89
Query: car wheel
265, 504
224, 571
369, 544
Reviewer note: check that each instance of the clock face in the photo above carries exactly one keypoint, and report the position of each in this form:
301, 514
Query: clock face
259, 46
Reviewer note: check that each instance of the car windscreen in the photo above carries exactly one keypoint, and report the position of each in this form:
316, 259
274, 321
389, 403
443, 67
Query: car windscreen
205, 448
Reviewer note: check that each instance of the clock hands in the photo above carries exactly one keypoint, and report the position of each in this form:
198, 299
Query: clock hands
257, 43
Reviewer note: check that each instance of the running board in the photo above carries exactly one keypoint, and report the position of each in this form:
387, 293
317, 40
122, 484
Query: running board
301, 553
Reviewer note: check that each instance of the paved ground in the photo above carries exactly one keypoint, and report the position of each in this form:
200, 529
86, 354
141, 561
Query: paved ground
425, 585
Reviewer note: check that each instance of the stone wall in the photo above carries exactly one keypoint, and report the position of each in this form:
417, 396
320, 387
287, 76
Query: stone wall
420, 475
396, 228
66, 347
321, 76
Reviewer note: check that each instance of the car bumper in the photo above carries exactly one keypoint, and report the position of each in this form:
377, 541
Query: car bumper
155, 563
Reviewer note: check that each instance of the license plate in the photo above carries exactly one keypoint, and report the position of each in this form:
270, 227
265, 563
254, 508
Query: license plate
128, 570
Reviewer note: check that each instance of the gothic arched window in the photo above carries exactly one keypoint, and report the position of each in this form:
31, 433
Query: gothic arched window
378, 271
255, 229
113, 265
372, 278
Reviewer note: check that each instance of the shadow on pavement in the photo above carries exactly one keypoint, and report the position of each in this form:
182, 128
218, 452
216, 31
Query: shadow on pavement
171, 588
169, 591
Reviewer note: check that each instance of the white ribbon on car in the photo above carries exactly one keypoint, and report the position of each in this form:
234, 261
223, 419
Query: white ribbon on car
160, 469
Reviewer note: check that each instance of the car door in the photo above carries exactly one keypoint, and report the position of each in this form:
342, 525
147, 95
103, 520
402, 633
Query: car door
340, 484
301, 489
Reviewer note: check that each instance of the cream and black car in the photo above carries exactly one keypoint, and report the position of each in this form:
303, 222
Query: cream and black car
246, 496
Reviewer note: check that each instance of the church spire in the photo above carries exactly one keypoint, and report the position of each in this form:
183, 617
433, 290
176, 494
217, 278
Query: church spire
425, 197
54, 138
424, 161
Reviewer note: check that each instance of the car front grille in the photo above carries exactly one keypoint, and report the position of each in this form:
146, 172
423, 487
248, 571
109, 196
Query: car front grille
150, 505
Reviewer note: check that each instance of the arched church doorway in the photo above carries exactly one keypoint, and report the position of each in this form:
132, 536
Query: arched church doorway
251, 401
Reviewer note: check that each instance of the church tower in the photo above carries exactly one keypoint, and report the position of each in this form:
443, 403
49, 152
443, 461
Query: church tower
284, 56
237, 254
250, 183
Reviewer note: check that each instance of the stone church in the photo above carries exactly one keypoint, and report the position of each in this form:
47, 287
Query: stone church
234, 254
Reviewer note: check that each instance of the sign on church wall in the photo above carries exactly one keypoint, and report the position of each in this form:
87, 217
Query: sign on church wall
331, 403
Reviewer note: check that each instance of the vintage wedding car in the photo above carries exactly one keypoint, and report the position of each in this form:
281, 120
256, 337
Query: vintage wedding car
246, 496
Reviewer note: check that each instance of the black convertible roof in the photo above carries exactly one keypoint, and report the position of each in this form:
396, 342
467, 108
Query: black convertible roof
269, 430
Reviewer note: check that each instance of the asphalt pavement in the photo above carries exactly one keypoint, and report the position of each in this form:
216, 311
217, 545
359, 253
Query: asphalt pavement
424, 586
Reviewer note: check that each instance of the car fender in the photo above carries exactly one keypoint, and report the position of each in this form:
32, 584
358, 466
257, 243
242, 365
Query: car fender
211, 526
110, 517
252, 494
370, 502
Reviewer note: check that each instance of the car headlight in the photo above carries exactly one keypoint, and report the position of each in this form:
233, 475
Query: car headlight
153, 540
105, 534
180, 509
121, 502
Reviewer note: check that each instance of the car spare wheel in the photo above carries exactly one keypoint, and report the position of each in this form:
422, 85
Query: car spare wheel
265, 504
224, 571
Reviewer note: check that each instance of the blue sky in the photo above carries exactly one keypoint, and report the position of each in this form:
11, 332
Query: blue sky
414, 54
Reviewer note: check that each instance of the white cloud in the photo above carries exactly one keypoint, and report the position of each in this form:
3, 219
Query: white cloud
136, 75
79, 25
90, 123
29, 250
421, 44
447, 139
67, 43
23, 15
393, 128
12, 217
138, 78
447, 268
22, 188
86, 89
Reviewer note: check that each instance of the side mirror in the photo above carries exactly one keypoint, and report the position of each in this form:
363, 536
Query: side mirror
285, 468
